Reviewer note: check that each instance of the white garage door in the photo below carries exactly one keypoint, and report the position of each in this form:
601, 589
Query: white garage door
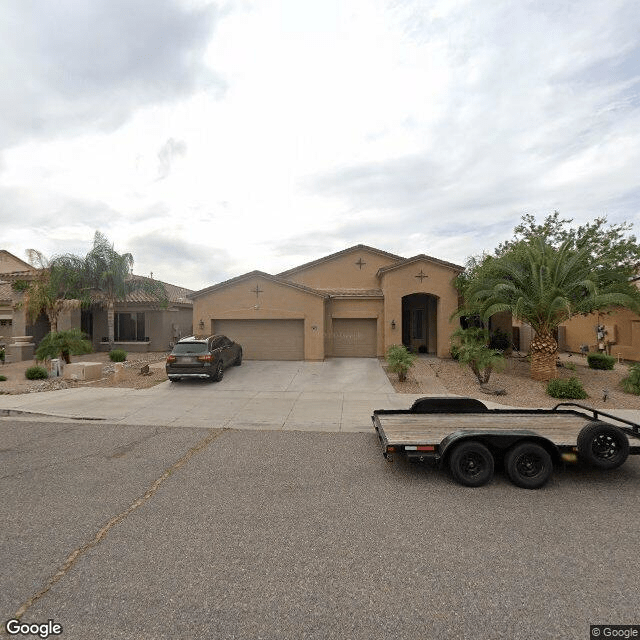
265, 339
355, 337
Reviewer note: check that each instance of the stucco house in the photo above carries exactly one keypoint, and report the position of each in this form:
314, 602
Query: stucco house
356, 302
143, 322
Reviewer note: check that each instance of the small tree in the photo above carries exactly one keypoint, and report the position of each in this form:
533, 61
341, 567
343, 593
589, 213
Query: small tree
473, 350
400, 360
64, 344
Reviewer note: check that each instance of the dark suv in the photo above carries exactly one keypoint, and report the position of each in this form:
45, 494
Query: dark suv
196, 357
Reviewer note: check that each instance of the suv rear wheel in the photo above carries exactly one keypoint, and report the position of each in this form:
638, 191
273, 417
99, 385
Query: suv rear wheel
219, 374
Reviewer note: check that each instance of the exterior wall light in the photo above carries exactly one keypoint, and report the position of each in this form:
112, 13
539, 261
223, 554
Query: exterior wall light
393, 324
201, 324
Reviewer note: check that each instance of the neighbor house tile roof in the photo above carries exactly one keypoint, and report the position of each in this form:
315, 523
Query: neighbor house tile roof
175, 294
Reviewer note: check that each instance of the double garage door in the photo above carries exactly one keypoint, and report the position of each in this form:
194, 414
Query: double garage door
284, 339
265, 339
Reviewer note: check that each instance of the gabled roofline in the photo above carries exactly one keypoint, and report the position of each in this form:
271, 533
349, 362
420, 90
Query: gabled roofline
28, 267
421, 258
313, 263
256, 274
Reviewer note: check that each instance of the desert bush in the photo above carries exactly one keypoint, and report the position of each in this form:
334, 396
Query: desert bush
400, 360
570, 366
631, 384
474, 351
570, 389
600, 361
36, 373
117, 355
3, 378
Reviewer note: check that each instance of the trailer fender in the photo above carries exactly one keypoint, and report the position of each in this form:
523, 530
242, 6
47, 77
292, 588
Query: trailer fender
498, 442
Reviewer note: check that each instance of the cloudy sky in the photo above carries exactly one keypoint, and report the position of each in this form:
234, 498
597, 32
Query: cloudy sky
211, 139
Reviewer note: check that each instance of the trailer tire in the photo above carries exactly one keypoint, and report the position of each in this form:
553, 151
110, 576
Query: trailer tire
471, 464
528, 465
602, 445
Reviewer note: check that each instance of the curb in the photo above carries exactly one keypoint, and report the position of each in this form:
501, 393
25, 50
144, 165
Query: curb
5, 413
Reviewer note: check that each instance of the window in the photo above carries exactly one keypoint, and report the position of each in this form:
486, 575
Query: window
129, 327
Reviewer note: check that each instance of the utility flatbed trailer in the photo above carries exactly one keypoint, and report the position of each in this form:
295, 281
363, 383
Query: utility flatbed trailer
470, 438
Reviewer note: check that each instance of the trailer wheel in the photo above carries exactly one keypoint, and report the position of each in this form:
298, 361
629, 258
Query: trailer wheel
602, 445
528, 465
471, 464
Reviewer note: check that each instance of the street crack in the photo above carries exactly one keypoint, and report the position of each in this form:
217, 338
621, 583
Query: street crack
71, 560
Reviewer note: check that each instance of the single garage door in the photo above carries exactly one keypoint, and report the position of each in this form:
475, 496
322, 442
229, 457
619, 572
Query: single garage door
355, 337
265, 339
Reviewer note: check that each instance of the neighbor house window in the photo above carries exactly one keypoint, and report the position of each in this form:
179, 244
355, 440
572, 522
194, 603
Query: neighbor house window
129, 327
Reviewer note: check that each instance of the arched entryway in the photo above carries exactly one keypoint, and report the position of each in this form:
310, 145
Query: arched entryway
419, 322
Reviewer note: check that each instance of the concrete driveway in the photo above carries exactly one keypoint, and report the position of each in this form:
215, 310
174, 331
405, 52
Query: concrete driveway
334, 395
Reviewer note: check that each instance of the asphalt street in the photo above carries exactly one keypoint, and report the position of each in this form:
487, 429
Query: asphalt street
119, 531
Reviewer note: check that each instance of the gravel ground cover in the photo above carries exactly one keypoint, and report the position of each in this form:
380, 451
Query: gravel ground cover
129, 377
516, 380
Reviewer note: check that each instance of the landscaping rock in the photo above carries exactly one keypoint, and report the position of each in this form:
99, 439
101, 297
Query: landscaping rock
492, 390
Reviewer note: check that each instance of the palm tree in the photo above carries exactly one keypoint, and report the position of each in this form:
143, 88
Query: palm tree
108, 275
54, 286
545, 286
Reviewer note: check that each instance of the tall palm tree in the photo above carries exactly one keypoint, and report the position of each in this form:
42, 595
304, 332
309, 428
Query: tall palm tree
544, 286
108, 274
53, 287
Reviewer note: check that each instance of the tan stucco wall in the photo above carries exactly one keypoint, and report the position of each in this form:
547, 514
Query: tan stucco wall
402, 281
343, 272
276, 301
580, 330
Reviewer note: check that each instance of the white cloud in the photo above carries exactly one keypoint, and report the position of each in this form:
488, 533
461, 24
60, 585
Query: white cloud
416, 128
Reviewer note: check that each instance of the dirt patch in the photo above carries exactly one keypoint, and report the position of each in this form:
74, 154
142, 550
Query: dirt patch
520, 389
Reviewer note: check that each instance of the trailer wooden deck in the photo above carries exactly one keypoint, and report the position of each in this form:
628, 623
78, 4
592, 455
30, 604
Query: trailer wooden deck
430, 429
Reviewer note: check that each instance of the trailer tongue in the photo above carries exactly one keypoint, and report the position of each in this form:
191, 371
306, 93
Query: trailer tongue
469, 437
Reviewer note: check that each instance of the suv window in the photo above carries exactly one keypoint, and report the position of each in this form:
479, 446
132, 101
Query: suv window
216, 343
183, 348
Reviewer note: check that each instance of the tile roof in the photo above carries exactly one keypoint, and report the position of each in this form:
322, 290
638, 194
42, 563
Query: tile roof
356, 247
258, 274
353, 293
175, 294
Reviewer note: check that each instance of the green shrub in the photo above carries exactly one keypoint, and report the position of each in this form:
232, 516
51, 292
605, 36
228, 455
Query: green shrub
3, 378
400, 360
473, 350
600, 361
567, 389
63, 344
570, 366
455, 351
118, 355
631, 384
36, 373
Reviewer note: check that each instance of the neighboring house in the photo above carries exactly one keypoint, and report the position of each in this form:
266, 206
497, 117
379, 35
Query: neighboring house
142, 322
12, 321
616, 332
357, 302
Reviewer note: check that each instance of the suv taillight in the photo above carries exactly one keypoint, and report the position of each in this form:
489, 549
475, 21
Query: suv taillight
206, 358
